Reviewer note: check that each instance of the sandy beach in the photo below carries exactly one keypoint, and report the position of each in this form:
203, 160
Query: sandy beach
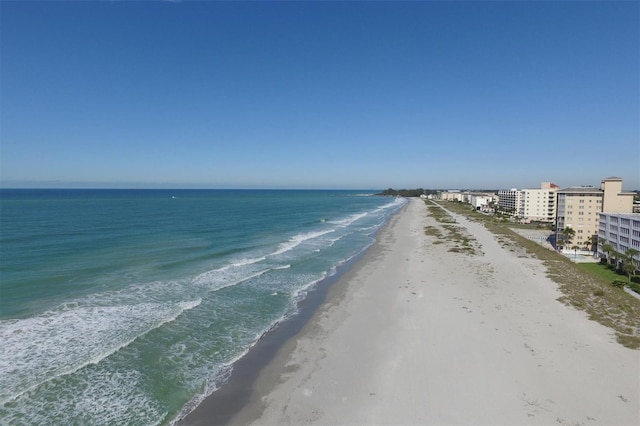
417, 335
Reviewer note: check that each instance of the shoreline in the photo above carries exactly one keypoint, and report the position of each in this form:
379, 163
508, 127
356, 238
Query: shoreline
238, 393
416, 334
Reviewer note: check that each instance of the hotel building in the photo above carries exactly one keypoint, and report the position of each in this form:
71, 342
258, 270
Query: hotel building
579, 207
531, 204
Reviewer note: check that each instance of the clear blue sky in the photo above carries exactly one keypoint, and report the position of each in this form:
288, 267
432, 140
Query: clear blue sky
319, 94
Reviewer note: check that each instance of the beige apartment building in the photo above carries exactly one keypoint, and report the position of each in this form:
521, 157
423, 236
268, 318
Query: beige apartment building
530, 204
579, 207
540, 204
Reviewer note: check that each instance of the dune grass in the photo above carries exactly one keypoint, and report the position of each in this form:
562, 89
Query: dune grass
449, 232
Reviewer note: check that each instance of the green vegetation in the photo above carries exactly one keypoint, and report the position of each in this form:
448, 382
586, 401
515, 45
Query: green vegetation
566, 238
582, 286
432, 231
407, 192
601, 270
448, 232
629, 264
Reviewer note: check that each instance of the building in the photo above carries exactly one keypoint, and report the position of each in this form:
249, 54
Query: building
615, 200
454, 195
579, 207
512, 201
481, 201
530, 204
621, 231
540, 204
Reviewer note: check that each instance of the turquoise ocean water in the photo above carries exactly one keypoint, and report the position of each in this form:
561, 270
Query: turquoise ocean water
129, 306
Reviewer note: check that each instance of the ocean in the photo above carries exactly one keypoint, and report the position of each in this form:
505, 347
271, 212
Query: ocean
131, 306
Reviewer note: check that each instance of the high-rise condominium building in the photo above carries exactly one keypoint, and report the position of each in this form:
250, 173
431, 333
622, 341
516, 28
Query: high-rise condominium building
512, 200
540, 204
579, 207
530, 204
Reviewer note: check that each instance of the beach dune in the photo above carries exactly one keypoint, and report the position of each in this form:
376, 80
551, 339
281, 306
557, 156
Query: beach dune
416, 334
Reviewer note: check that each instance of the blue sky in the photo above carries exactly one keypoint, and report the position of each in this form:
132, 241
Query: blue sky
319, 94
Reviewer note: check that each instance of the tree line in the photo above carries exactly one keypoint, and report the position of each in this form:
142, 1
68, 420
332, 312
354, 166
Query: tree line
408, 192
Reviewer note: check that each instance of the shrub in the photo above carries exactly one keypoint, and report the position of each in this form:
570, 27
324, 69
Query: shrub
618, 283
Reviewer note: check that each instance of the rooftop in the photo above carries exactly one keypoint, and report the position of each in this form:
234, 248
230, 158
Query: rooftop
581, 190
634, 216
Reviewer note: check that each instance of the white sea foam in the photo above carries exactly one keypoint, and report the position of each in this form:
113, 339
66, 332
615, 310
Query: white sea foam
282, 267
298, 239
223, 373
246, 261
398, 201
97, 397
59, 342
348, 220
226, 277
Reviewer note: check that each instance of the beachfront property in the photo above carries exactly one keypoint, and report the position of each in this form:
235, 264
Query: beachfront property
482, 201
531, 205
479, 200
621, 231
540, 204
579, 207
454, 195
511, 201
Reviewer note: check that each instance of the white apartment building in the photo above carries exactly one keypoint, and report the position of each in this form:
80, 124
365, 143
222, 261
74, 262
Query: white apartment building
621, 231
512, 200
481, 201
454, 195
531, 204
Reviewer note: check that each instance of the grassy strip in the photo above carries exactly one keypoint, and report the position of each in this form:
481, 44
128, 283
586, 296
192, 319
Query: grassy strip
581, 287
448, 232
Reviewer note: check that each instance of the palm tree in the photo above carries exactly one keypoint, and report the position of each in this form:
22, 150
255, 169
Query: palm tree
587, 245
575, 251
567, 236
607, 248
617, 257
629, 263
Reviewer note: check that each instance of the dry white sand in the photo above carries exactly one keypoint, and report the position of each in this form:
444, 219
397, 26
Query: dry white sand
418, 335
